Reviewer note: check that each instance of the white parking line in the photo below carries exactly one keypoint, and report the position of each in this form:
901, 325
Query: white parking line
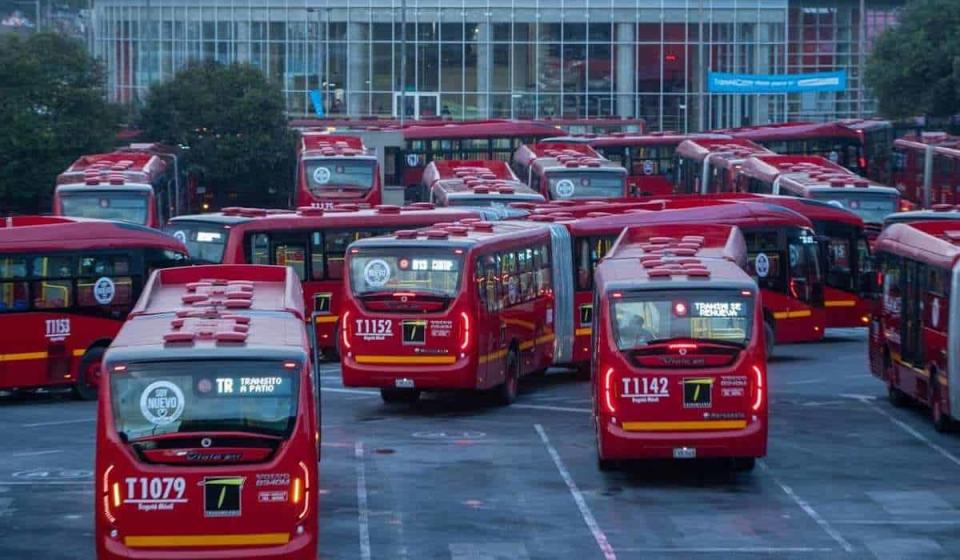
363, 514
808, 509
728, 550
898, 522
585, 512
548, 407
348, 391
907, 428
34, 453
57, 423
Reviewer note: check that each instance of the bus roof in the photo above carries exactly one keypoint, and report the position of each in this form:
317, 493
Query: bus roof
703, 241
653, 139
815, 210
936, 242
819, 180
24, 234
114, 168
848, 128
487, 190
344, 215
725, 150
767, 167
528, 153
742, 214
466, 169
321, 144
939, 212
668, 273
465, 234
196, 291
926, 140
425, 129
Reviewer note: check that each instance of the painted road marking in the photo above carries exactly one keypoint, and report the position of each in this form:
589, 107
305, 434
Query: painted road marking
488, 551
598, 534
363, 513
57, 423
349, 391
728, 550
35, 453
808, 509
548, 407
907, 428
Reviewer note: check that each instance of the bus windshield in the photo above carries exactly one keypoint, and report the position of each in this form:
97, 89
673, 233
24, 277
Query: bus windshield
651, 317
872, 207
585, 184
405, 269
205, 241
256, 396
331, 174
122, 206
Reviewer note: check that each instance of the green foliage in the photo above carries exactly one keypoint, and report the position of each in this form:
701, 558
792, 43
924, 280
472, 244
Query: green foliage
915, 66
232, 121
52, 111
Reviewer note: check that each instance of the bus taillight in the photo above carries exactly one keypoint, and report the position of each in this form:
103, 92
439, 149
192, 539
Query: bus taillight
108, 492
759, 384
608, 391
466, 331
344, 327
301, 490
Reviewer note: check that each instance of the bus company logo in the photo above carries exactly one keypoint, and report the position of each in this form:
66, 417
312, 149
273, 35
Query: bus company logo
57, 329
321, 175
221, 496
180, 236
104, 290
673, 361
161, 403
565, 188
376, 273
724, 416
213, 457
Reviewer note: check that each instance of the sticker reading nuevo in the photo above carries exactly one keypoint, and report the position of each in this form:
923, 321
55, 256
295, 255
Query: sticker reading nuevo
161, 403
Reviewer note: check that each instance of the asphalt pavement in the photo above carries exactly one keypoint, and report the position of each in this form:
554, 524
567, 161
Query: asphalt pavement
457, 477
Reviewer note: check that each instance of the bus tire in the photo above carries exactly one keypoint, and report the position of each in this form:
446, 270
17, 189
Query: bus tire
83, 388
744, 464
507, 391
770, 338
399, 396
606, 465
941, 421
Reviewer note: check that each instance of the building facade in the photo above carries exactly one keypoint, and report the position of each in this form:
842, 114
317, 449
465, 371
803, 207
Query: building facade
507, 58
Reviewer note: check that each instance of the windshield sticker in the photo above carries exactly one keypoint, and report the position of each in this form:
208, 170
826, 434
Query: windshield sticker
180, 236
321, 175
648, 168
104, 290
762, 265
376, 273
161, 403
565, 188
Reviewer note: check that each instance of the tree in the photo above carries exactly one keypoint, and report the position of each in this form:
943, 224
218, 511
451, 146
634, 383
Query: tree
52, 111
915, 66
232, 120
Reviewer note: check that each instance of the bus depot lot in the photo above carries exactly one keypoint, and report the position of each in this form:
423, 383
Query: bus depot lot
847, 475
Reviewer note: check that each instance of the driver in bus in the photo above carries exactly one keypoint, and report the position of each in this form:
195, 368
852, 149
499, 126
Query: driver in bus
637, 333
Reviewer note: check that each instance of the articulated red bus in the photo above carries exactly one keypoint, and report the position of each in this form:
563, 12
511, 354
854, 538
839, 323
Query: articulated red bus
467, 306
915, 331
939, 213
131, 185
679, 369
66, 285
648, 158
312, 241
475, 183
783, 258
598, 126
862, 146
945, 185
706, 165
208, 428
336, 168
913, 166
569, 171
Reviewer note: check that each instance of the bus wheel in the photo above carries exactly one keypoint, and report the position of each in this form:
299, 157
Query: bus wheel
941, 422
896, 397
603, 465
507, 392
770, 338
744, 464
399, 396
89, 377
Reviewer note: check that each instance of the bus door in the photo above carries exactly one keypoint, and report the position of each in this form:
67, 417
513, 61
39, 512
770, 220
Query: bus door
490, 330
53, 292
911, 327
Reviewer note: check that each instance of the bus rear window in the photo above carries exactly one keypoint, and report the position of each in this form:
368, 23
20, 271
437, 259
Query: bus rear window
150, 399
405, 270
205, 242
324, 174
573, 184
650, 317
125, 207
871, 207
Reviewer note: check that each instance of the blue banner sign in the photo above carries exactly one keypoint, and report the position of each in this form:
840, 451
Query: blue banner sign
317, 101
722, 82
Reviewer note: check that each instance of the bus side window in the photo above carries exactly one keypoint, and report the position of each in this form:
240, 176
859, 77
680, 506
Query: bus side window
891, 283
14, 292
91, 292
317, 268
259, 249
511, 284
54, 288
292, 255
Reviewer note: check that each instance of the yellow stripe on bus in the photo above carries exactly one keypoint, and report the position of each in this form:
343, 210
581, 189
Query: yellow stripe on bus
326, 319
583, 331
684, 426
492, 356
164, 541
529, 325
526, 345
79, 352
24, 356
792, 314
545, 338
840, 303
406, 359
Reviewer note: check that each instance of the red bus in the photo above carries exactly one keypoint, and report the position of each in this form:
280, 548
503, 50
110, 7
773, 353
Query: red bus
66, 285
312, 241
939, 213
706, 165
860, 145
783, 258
598, 126
208, 428
130, 186
913, 166
679, 369
467, 306
915, 331
419, 142
569, 172
474, 183
336, 168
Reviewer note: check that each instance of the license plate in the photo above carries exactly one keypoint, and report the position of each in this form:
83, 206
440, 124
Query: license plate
684, 453
404, 383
